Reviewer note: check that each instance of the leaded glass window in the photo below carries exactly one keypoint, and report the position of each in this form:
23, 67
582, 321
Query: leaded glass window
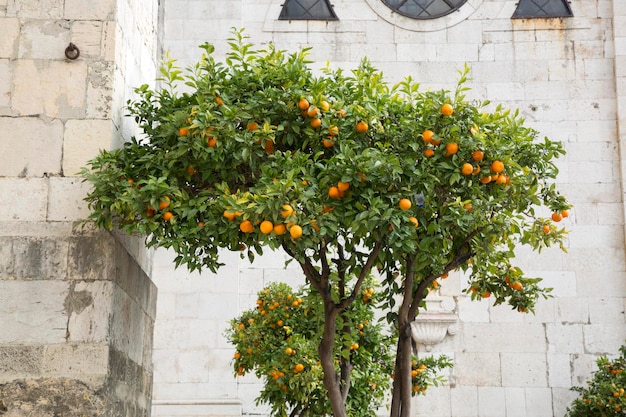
527, 9
307, 10
424, 9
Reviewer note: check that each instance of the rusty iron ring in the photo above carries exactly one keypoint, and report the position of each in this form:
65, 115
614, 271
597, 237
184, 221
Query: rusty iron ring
72, 52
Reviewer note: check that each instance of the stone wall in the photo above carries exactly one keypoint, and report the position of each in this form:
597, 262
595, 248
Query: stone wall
76, 310
566, 76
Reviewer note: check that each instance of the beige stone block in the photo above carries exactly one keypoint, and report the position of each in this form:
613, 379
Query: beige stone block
604, 339
87, 36
9, 31
82, 141
521, 369
76, 360
52, 88
559, 370
464, 401
470, 370
66, 199
564, 338
100, 90
504, 337
491, 402
89, 309
26, 198
108, 40
32, 311
31, 147
43, 39
41, 9
5, 86
89, 10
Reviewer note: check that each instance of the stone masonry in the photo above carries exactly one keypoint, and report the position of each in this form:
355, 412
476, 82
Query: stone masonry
568, 79
76, 309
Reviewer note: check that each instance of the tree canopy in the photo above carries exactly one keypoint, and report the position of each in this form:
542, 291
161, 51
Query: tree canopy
343, 172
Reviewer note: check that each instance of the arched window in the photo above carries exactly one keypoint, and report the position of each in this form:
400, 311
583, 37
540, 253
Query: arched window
307, 10
527, 9
424, 9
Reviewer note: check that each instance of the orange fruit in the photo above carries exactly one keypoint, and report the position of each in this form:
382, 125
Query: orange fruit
429, 153
486, 294
468, 207
295, 231
546, 229
343, 186
362, 176
435, 142
405, 204
427, 135
266, 227
315, 123
333, 130
280, 229
361, 127
190, 170
131, 181
167, 216
451, 148
150, 211
164, 203
324, 105
212, 142
298, 368
252, 126
219, 101
200, 224
414, 221
341, 113
354, 346
269, 146
237, 355
447, 109
303, 104
183, 131
478, 155
467, 169
230, 215
286, 211
557, 217
246, 226
485, 180
517, 286
289, 351
312, 111
328, 143
565, 213
333, 192
497, 167
502, 179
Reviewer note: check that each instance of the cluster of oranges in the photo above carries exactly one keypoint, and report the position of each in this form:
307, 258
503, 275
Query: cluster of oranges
267, 227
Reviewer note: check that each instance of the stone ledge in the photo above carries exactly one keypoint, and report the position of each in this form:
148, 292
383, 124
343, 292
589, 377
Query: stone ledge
197, 408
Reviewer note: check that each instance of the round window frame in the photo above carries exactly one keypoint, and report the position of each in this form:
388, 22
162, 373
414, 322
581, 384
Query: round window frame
424, 25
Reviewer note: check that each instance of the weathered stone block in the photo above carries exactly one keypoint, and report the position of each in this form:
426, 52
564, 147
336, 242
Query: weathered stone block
91, 258
28, 198
32, 149
604, 339
504, 337
559, 370
39, 258
88, 306
32, 312
81, 10
82, 141
538, 402
87, 36
43, 39
20, 362
564, 338
100, 91
9, 31
464, 401
51, 88
76, 360
491, 402
66, 200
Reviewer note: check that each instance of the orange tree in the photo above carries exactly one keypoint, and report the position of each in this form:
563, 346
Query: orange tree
344, 173
604, 394
278, 340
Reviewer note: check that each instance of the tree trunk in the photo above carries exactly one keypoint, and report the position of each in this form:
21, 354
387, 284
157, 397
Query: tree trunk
325, 349
402, 384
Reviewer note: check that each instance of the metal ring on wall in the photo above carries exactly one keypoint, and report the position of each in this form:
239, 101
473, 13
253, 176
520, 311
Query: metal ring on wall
72, 52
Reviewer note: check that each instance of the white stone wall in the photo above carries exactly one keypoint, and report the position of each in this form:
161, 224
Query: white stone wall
567, 77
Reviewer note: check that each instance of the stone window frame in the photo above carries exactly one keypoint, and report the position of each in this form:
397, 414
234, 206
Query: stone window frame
448, 8
424, 25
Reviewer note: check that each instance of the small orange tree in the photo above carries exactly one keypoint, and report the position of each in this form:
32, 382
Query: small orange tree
343, 173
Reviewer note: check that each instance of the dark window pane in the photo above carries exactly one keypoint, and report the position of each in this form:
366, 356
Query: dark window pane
424, 9
307, 10
542, 8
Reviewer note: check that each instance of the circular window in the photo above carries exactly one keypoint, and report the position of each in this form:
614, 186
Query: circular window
424, 9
